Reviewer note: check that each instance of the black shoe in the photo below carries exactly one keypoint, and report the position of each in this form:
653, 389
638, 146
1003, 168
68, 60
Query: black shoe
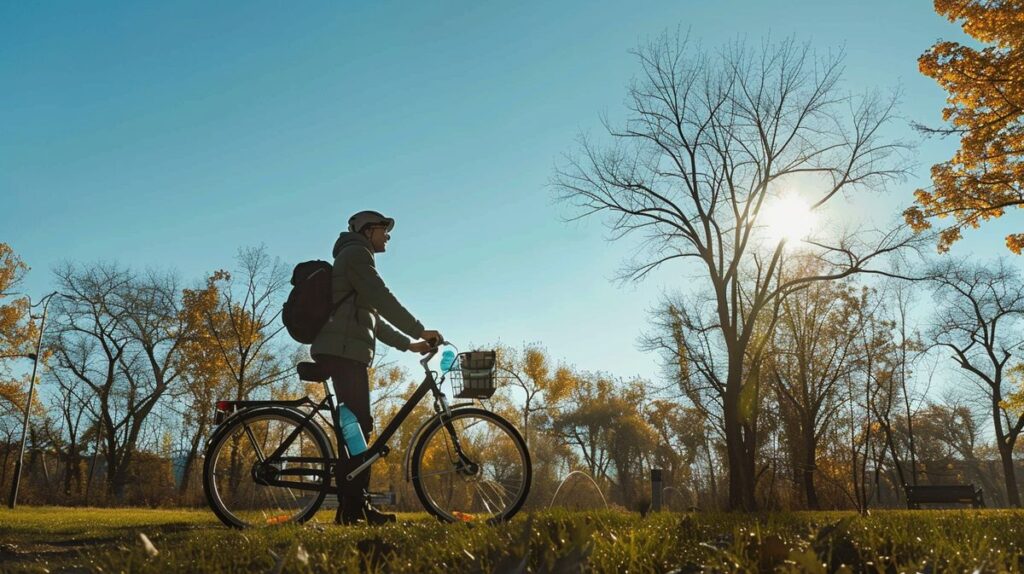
359, 511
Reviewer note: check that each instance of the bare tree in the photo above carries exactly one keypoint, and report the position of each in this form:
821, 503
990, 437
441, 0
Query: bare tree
862, 391
978, 321
118, 334
692, 355
710, 140
813, 352
89, 342
909, 346
71, 405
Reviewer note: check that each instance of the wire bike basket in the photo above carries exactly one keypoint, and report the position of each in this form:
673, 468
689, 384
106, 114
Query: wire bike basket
474, 375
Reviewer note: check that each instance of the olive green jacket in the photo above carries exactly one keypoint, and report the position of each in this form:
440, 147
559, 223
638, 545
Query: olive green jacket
356, 324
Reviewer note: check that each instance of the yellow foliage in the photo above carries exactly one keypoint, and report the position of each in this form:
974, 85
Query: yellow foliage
985, 106
16, 392
201, 361
18, 333
1014, 401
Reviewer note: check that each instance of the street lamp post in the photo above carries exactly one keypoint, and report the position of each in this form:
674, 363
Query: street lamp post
28, 404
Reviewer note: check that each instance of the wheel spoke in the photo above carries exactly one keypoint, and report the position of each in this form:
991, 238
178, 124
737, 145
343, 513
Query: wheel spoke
483, 499
252, 439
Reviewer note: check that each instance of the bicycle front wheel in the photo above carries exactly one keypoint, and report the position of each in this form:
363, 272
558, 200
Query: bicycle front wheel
243, 484
473, 466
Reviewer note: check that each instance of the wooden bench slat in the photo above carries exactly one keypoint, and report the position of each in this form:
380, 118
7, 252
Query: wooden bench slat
948, 493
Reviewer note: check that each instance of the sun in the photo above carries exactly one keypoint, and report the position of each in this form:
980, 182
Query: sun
788, 218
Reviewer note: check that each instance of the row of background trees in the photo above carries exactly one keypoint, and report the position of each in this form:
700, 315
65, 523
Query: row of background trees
843, 406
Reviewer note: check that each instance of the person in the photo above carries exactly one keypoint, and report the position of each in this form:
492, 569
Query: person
346, 344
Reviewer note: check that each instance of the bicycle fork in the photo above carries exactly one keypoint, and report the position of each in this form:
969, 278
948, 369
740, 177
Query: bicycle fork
464, 465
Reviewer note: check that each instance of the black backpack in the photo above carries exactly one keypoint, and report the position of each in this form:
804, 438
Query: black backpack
309, 304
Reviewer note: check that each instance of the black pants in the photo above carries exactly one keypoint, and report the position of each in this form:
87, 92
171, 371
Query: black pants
351, 381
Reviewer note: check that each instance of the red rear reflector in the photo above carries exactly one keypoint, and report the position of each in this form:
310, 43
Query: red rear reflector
223, 405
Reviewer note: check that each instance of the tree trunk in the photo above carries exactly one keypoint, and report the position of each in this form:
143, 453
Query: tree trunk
92, 464
734, 453
190, 459
26, 470
120, 476
46, 471
116, 478
3, 466
807, 470
72, 468
739, 448
711, 473
1010, 475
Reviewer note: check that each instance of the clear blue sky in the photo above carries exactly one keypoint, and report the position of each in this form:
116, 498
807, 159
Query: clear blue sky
170, 134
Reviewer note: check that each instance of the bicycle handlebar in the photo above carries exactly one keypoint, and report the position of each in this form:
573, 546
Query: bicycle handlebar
430, 354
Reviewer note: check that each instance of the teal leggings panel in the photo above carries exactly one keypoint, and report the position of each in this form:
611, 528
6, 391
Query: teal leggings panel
351, 431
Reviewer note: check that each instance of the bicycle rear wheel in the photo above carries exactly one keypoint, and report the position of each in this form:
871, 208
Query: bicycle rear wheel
236, 469
487, 478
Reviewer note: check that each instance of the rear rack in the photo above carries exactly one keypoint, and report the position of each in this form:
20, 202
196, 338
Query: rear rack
226, 408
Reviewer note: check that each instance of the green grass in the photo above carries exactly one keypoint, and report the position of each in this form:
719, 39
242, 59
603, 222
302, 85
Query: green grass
107, 540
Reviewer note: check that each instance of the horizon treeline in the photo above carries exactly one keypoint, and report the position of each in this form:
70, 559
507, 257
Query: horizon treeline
133, 363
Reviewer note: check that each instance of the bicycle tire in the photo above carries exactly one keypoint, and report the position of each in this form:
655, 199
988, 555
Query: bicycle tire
225, 431
431, 430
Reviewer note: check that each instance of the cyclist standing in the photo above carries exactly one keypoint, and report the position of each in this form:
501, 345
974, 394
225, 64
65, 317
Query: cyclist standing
345, 346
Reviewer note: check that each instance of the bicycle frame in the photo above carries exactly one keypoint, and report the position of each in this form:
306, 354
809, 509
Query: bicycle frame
352, 466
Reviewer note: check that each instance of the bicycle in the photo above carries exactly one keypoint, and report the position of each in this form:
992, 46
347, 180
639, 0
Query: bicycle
466, 463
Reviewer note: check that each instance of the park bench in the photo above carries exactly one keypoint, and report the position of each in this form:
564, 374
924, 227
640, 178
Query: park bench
944, 494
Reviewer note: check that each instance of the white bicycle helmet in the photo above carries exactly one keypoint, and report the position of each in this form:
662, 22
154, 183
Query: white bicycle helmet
357, 222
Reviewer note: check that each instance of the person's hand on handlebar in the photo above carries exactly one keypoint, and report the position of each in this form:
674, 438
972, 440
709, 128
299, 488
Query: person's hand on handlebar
431, 339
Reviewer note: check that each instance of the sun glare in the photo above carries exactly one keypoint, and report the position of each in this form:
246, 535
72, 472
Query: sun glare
788, 218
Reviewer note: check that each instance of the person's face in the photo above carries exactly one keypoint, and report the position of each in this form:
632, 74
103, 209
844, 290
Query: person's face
378, 236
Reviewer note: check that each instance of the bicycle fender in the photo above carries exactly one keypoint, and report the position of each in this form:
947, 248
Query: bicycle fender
407, 461
269, 408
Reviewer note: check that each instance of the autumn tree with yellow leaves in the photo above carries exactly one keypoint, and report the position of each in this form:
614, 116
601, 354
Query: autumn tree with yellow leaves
985, 107
540, 386
204, 371
17, 339
17, 333
245, 321
228, 350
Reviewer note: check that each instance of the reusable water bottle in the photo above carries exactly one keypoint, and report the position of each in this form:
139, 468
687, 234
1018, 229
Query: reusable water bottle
447, 360
351, 431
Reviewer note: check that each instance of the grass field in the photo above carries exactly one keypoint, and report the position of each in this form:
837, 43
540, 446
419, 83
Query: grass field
108, 540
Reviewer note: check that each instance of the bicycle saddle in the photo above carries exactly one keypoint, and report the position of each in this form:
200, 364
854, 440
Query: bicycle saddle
313, 372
